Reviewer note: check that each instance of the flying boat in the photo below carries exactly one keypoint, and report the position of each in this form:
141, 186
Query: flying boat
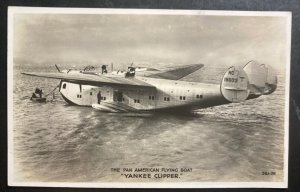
160, 89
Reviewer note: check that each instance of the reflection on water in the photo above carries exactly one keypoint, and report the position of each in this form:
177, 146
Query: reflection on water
58, 142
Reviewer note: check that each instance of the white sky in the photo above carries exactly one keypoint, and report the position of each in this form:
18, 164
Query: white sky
148, 40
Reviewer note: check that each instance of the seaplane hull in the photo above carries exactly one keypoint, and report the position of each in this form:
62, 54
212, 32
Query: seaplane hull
167, 94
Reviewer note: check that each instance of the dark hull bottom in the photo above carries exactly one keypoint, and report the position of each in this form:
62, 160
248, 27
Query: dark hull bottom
67, 100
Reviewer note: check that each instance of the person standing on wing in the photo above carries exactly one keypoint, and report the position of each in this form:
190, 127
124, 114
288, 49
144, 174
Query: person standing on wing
104, 70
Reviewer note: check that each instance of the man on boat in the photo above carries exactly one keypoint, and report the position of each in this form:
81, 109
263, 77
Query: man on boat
35, 97
40, 92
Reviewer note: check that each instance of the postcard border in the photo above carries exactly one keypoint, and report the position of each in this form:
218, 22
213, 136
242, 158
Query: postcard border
32, 10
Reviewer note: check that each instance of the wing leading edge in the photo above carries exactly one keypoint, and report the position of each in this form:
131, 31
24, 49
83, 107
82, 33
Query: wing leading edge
171, 73
92, 79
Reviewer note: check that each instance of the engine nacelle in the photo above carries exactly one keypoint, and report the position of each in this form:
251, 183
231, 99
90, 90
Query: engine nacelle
235, 85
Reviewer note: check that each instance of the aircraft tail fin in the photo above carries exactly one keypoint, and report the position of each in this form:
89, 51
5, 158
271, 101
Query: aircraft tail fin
234, 85
252, 81
262, 78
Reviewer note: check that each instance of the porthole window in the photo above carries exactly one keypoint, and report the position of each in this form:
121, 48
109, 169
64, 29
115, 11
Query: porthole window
183, 98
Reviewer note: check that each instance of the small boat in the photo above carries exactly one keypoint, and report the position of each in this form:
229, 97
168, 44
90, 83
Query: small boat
38, 99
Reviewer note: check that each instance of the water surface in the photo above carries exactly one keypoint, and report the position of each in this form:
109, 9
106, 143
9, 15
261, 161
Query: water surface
58, 142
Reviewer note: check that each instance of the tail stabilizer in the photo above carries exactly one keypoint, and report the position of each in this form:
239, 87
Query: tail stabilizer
235, 85
262, 78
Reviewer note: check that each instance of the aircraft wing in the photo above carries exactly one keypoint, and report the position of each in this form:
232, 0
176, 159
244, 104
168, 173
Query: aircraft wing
172, 73
92, 79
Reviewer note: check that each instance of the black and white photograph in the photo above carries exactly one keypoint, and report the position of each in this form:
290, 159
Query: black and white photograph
145, 98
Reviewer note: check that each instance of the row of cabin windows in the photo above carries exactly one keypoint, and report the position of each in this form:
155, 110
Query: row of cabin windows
80, 96
151, 97
138, 101
182, 98
199, 96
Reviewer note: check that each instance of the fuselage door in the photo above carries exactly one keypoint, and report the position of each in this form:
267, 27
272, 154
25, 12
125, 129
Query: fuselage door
118, 96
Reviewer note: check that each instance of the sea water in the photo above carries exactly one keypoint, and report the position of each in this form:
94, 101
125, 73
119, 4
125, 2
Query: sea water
57, 142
